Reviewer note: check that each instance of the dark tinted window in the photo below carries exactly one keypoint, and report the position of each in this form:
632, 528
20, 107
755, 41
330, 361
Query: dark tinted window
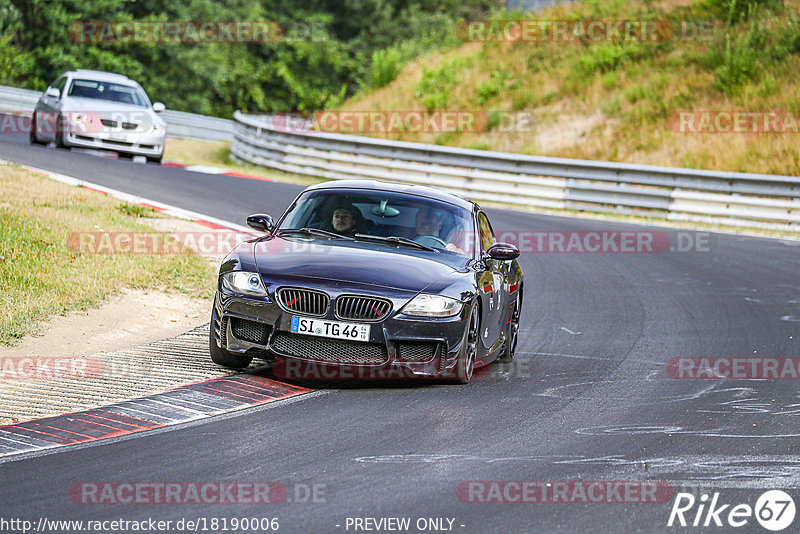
114, 92
383, 213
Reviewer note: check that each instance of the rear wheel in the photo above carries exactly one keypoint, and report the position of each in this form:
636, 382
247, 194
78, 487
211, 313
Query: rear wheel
223, 357
512, 334
469, 348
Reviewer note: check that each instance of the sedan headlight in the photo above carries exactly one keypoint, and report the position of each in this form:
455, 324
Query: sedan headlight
432, 306
78, 118
244, 283
157, 128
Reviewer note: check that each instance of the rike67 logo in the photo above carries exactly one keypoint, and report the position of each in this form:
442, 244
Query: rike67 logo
774, 510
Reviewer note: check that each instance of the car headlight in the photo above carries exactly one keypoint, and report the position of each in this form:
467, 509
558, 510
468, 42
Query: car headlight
432, 306
157, 128
244, 283
78, 118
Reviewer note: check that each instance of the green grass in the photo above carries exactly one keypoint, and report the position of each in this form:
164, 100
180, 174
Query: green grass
42, 276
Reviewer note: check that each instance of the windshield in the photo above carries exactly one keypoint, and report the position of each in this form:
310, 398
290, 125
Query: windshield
379, 214
114, 92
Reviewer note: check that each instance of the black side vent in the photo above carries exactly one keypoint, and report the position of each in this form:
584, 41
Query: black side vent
251, 331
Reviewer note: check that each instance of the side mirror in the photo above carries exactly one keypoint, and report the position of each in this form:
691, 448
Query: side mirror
503, 252
261, 222
53, 92
158, 107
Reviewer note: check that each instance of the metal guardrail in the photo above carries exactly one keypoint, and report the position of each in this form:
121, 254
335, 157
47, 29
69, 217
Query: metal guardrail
179, 123
731, 198
182, 124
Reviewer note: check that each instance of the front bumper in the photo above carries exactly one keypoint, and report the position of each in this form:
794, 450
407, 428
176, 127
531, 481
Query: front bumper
136, 144
399, 346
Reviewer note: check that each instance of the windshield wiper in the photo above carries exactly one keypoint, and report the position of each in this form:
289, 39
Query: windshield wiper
313, 231
397, 241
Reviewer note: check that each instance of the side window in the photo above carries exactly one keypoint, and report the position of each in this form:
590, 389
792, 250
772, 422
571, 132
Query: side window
487, 235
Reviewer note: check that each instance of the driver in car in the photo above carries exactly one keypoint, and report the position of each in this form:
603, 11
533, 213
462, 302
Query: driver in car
429, 224
343, 220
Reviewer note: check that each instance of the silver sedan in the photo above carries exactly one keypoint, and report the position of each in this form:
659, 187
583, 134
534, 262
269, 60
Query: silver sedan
100, 110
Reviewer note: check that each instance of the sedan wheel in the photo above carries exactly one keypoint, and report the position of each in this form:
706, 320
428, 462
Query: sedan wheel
60, 127
469, 348
32, 133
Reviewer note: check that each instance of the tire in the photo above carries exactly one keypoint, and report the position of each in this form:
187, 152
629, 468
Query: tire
155, 159
223, 357
465, 365
32, 133
512, 334
61, 125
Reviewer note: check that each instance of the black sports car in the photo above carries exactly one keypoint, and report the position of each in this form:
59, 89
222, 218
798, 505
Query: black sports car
370, 279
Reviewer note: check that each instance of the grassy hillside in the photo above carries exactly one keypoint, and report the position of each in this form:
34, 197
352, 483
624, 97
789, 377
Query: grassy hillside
618, 100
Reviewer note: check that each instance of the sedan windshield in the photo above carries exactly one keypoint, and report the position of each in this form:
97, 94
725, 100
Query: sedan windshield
114, 92
373, 216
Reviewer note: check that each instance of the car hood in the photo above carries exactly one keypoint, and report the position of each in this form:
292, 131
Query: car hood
357, 262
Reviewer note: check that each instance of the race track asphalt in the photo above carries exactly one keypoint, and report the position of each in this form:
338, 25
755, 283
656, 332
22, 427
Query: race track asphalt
588, 397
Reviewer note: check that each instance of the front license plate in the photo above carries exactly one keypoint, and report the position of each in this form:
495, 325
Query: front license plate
334, 329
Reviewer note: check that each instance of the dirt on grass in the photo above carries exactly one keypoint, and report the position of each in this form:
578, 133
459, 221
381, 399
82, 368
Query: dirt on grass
131, 318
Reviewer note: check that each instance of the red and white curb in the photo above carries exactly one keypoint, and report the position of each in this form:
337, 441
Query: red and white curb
187, 403
205, 169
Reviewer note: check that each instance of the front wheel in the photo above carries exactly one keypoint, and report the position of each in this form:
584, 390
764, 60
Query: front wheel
223, 357
32, 133
469, 348
61, 127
